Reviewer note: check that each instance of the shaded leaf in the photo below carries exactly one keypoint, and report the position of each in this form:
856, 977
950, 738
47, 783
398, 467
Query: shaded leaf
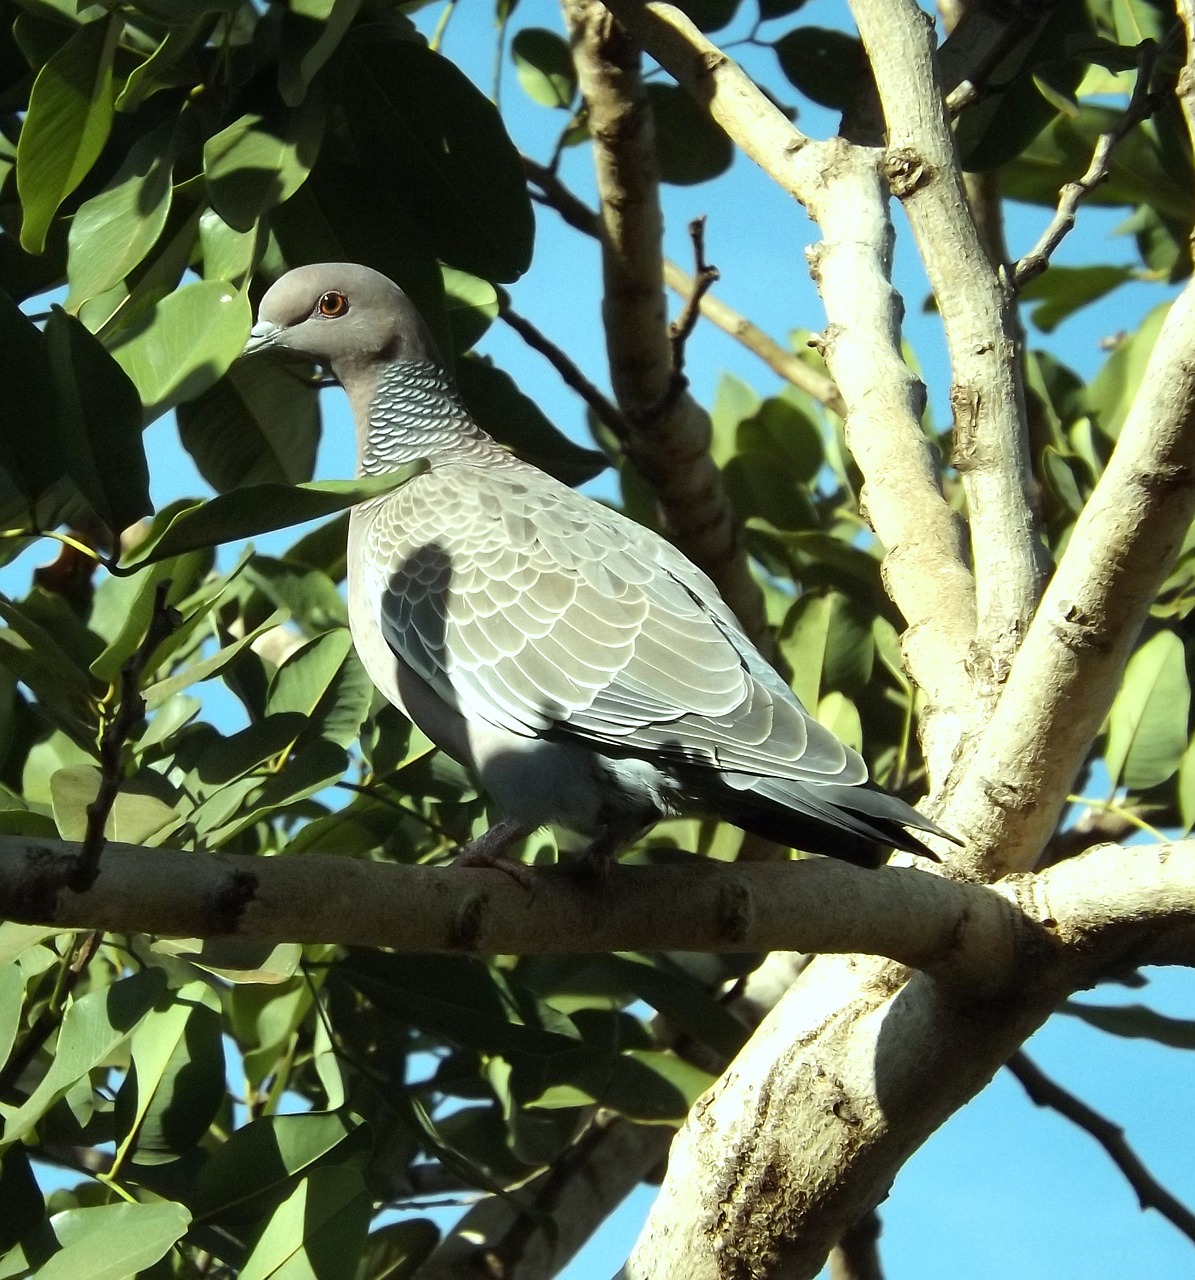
1147, 725
690, 147
186, 342
66, 125
257, 162
1061, 291
255, 509
545, 67
513, 419
463, 182
260, 423
827, 66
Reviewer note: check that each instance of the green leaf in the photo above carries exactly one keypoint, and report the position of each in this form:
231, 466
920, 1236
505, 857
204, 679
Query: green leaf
303, 57
12, 993
257, 163
460, 999
463, 182
163, 690
301, 682
258, 508
709, 15
545, 67
259, 424
187, 341
264, 1155
1147, 725
1110, 394
1062, 291
515, 420
471, 305
66, 125
98, 423
175, 1085
1135, 1022
827, 66
94, 1027
840, 715
112, 1241
137, 815
397, 1250
690, 147
112, 232
769, 9
317, 1232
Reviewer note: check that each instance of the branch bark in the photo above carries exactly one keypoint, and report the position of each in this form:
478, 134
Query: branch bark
839, 184
991, 444
1017, 773
669, 441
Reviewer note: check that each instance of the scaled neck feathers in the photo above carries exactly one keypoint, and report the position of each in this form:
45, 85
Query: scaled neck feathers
415, 412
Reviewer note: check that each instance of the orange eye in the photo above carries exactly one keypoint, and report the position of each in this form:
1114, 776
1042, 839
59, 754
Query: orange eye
332, 305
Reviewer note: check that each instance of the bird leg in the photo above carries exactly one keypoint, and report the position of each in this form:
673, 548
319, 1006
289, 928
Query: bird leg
491, 849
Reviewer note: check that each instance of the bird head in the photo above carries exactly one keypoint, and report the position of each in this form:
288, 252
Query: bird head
342, 315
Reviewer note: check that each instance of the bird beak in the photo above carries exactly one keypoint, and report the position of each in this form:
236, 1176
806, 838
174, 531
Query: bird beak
263, 334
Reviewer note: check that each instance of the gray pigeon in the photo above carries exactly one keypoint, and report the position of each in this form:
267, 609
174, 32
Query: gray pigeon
578, 663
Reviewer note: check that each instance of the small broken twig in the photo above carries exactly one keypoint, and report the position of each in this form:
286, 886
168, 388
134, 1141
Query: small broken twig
1142, 104
705, 276
132, 707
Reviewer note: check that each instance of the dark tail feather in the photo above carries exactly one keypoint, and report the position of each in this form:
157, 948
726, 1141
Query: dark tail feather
855, 823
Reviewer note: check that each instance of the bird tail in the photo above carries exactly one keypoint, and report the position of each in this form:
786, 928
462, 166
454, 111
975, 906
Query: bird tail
856, 823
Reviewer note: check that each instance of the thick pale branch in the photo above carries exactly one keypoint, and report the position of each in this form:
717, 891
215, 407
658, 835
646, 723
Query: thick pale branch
991, 445
969, 936
860, 1061
670, 433
1015, 777
839, 185
813, 905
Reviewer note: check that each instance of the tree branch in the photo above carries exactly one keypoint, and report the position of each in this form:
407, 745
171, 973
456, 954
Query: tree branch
1141, 106
671, 433
605, 412
974, 937
991, 446
925, 570
1016, 775
1044, 1092
860, 1061
552, 192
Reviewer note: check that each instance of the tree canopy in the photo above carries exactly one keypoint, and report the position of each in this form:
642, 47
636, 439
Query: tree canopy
252, 1020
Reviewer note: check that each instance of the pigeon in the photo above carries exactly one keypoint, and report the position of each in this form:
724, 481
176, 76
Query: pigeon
578, 663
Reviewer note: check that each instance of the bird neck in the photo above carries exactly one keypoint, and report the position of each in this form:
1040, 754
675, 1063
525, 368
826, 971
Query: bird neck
415, 412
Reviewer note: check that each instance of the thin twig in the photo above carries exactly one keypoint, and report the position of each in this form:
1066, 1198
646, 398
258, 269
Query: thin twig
706, 276
553, 194
604, 409
50, 1017
857, 1255
1141, 106
131, 709
1045, 1092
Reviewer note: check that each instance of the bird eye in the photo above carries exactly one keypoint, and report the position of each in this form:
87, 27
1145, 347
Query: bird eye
332, 305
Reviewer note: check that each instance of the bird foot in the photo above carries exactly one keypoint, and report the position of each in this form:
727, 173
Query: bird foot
492, 850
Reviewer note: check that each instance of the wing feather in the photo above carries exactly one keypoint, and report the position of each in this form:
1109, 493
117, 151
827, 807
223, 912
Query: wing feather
534, 609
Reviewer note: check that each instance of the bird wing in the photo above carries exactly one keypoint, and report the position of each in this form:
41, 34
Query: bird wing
532, 608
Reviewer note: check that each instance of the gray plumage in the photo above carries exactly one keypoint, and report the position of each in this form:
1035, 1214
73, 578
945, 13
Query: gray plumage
578, 662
